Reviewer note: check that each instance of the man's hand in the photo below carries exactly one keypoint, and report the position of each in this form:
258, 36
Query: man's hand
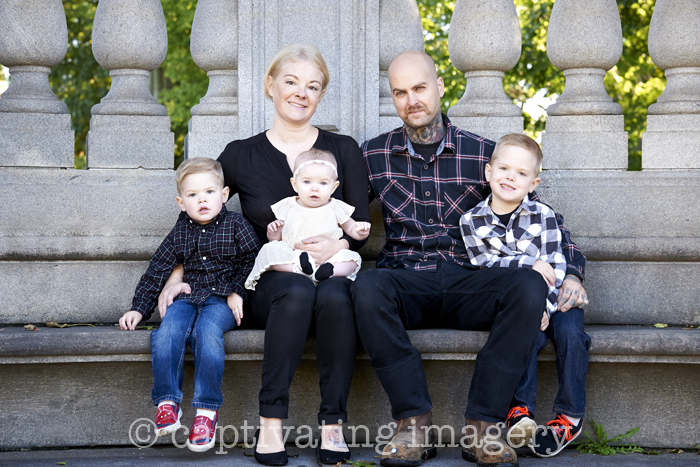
321, 248
168, 294
571, 294
547, 272
235, 302
129, 320
545, 321
274, 230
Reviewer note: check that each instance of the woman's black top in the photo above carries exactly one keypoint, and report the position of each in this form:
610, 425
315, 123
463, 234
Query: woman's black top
260, 174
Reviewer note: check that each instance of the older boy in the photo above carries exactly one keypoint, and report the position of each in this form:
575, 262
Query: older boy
508, 229
217, 249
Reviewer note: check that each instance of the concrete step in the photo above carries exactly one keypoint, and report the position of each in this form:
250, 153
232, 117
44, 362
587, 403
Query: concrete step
240, 457
88, 386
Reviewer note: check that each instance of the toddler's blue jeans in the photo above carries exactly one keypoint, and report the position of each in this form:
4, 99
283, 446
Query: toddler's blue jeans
203, 328
571, 345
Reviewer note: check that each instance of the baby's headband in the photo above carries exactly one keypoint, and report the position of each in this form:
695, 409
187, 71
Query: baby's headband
316, 161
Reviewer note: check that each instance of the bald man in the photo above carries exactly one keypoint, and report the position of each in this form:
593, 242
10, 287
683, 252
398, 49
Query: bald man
426, 174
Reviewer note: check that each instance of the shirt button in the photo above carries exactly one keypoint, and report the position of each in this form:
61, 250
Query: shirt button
427, 193
425, 167
204, 230
213, 288
204, 258
430, 221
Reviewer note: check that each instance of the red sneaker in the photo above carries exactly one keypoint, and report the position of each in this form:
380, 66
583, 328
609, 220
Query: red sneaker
168, 419
202, 433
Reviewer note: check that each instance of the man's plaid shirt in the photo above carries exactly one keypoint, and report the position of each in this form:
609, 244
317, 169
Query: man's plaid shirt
423, 200
531, 234
217, 258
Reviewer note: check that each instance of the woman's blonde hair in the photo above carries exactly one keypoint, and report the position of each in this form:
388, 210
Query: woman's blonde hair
296, 52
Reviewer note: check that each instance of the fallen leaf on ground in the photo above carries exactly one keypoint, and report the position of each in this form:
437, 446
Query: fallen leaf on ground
31, 327
54, 324
61, 463
660, 325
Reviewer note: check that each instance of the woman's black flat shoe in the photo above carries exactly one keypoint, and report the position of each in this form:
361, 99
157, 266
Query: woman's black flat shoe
270, 458
331, 457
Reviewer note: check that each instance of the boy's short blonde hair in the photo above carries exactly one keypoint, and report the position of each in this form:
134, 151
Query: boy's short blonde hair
296, 53
519, 140
198, 165
314, 154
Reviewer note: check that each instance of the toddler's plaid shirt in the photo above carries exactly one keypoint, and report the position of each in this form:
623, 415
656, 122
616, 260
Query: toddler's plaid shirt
531, 234
217, 258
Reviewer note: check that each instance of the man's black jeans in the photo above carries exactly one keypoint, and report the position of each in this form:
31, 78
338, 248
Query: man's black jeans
507, 301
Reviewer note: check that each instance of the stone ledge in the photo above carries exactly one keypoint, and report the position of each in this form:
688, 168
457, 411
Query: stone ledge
109, 344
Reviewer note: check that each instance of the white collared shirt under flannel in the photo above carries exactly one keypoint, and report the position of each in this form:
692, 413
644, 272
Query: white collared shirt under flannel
532, 234
423, 200
217, 258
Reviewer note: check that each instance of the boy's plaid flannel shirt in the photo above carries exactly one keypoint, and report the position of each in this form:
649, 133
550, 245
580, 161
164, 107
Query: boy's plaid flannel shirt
531, 234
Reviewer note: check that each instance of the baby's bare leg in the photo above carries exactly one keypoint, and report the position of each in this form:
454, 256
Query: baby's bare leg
284, 267
344, 269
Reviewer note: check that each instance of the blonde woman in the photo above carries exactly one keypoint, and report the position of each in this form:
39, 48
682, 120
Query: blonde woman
285, 304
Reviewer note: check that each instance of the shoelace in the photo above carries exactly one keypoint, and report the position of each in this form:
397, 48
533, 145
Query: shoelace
561, 424
517, 411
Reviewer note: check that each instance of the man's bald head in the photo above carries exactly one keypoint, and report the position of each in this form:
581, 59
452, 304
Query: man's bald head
416, 89
413, 59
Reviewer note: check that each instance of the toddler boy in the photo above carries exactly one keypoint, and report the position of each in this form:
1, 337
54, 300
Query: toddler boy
508, 229
217, 249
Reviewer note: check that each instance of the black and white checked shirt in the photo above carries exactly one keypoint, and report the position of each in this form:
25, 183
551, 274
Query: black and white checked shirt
217, 258
423, 200
532, 234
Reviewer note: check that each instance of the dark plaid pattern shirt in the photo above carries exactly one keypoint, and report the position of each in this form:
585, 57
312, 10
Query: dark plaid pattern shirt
532, 234
423, 200
217, 258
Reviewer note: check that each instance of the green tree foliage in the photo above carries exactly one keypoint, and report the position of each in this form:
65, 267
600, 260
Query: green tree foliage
635, 83
184, 83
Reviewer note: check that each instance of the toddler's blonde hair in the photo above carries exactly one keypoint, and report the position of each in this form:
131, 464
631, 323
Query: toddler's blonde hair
198, 165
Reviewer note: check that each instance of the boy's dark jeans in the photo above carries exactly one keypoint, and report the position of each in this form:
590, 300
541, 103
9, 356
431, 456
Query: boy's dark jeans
571, 345
507, 301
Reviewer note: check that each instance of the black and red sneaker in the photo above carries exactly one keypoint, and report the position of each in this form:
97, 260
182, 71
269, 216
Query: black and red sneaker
520, 427
168, 419
557, 435
202, 433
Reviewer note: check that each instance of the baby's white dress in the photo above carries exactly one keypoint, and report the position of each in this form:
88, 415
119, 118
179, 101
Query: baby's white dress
301, 222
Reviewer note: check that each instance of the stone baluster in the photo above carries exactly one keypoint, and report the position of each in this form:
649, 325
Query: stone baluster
485, 43
35, 126
128, 128
672, 139
214, 48
400, 29
585, 129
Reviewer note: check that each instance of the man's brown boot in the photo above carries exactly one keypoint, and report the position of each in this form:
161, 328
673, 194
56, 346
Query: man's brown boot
486, 447
413, 442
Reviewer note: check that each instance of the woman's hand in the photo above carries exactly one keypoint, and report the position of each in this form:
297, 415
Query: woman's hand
274, 230
173, 287
321, 248
235, 302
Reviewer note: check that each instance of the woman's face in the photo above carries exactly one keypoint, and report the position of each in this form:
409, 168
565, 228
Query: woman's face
296, 91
